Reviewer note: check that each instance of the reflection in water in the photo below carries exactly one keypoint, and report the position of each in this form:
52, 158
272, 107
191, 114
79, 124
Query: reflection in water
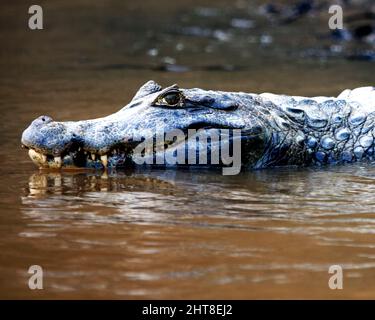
143, 233
313, 196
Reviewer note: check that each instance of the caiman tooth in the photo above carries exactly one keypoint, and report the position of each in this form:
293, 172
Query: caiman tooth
58, 162
104, 160
36, 157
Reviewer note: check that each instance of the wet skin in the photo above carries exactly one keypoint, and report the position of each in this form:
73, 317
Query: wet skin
276, 130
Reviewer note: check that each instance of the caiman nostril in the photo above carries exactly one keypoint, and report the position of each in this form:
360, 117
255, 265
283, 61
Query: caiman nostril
42, 120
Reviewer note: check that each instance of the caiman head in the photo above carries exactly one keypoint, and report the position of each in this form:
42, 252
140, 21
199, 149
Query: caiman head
111, 141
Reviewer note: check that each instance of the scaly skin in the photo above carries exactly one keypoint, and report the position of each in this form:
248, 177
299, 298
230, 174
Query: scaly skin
276, 129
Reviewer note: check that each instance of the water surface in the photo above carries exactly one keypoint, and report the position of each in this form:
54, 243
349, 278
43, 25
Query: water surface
171, 234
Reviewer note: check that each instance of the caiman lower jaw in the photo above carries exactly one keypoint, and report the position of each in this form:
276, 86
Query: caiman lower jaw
77, 159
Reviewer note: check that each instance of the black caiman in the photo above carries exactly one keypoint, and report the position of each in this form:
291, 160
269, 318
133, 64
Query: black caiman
276, 130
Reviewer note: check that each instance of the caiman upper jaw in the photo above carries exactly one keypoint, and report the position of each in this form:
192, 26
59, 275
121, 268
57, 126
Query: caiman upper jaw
64, 145
53, 144
47, 136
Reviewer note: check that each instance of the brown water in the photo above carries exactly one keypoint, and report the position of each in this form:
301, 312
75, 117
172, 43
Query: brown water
168, 234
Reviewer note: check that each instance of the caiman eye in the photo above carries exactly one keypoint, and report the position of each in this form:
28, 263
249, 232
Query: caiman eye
170, 99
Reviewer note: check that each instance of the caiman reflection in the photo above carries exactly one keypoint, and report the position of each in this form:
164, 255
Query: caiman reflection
105, 234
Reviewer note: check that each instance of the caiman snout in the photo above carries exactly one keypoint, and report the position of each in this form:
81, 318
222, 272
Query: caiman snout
47, 140
90, 144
